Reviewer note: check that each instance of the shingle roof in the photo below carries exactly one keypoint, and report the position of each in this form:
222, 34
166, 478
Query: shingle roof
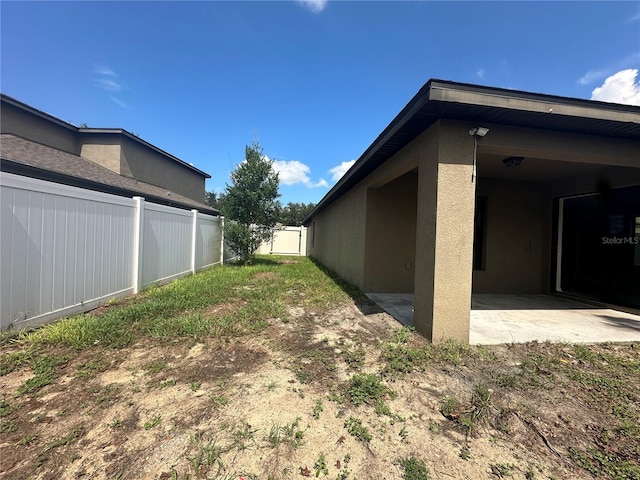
33, 159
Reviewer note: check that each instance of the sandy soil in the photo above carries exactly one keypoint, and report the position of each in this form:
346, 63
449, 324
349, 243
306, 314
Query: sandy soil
233, 409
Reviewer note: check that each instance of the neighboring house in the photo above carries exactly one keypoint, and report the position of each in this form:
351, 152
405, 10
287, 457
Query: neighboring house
39, 145
87, 215
473, 189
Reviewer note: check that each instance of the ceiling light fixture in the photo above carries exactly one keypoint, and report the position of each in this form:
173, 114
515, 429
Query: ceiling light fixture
512, 161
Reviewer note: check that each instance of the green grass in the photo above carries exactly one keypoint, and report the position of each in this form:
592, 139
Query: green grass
69, 439
355, 359
182, 309
598, 463
91, 368
289, 434
154, 422
6, 408
13, 360
317, 409
45, 369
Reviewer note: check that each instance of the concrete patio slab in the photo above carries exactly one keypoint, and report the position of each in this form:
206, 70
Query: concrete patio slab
497, 319
398, 305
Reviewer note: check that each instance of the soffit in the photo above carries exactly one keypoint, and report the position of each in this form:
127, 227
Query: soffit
440, 99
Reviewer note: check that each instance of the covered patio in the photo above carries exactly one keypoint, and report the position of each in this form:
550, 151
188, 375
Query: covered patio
518, 318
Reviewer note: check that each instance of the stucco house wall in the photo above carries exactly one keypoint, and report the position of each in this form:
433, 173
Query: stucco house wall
45, 130
336, 236
391, 235
151, 167
128, 157
514, 237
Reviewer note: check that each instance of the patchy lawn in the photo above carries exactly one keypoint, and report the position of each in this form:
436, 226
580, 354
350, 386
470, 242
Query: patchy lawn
277, 371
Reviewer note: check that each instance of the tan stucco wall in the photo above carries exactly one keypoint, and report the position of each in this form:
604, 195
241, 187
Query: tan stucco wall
391, 236
129, 158
341, 228
31, 127
109, 156
513, 241
336, 235
152, 167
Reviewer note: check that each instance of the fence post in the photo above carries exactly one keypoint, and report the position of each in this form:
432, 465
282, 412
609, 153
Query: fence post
221, 240
138, 242
194, 243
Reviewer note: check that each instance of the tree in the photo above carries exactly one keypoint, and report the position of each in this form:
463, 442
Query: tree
294, 213
251, 202
215, 200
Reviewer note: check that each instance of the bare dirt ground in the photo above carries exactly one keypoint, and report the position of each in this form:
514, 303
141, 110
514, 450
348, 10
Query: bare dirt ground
277, 405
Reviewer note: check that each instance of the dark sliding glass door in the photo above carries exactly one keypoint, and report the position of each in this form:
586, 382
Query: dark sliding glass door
600, 252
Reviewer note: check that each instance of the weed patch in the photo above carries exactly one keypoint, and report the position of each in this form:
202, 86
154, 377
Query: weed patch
355, 358
367, 388
154, 422
317, 409
91, 368
289, 434
414, 468
356, 429
69, 439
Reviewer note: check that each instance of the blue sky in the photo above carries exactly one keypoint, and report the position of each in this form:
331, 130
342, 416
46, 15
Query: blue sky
313, 82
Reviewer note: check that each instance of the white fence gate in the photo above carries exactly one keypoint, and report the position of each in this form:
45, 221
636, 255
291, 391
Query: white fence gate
286, 241
66, 250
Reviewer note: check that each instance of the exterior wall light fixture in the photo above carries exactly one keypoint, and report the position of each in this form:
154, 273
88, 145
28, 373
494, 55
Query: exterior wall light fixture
476, 132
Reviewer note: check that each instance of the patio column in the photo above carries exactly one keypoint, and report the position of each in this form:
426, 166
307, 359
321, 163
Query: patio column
444, 235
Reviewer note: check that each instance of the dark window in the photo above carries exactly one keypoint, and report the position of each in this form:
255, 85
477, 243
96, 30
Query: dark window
479, 233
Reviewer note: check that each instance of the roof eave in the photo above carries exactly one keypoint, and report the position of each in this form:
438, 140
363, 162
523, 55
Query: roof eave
436, 94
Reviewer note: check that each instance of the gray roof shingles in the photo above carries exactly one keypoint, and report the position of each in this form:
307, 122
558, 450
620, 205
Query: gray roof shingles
46, 159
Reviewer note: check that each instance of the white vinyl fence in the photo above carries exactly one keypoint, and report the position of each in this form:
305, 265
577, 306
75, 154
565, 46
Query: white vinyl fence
65, 250
286, 241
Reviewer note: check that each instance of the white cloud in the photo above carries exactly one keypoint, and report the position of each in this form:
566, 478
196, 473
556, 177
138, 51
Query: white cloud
105, 71
316, 6
339, 170
480, 73
120, 103
293, 172
620, 87
107, 79
109, 85
592, 76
